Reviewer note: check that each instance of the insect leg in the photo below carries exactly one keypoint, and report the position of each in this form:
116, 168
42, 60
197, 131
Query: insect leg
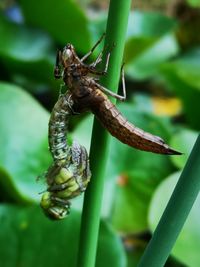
59, 187
93, 48
70, 105
97, 72
99, 58
61, 201
97, 61
57, 68
117, 96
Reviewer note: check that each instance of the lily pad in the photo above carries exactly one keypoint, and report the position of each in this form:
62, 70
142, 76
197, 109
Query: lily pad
149, 24
49, 243
23, 140
60, 19
182, 76
186, 248
132, 197
145, 55
183, 140
26, 52
150, 42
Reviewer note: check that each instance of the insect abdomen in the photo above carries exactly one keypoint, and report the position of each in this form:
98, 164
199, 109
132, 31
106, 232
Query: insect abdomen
127, 133
58, 125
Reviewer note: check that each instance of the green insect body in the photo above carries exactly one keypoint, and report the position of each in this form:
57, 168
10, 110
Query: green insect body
69, 174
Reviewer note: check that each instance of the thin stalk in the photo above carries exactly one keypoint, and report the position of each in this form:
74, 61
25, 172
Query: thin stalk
115, 35
175, 214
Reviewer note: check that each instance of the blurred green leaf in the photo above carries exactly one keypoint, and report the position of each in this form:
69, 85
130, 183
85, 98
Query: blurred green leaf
150, 42
25, 52
28, 46
194, 3
186, 68
149, 24
182, 75
132, 197
134, 256
35, 240
97, 24
186, 248
64, 20
144, 55
183, 140
23, 140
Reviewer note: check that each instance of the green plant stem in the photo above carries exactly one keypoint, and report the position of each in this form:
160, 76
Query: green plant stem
115, 35
175, 214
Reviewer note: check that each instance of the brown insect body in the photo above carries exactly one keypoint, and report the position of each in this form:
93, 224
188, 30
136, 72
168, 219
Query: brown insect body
127, 133
118, 126
87, 95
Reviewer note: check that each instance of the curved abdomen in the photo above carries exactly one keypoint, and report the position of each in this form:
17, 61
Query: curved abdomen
111, 118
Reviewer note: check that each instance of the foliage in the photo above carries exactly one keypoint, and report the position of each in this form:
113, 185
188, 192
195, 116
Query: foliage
186, 248
138, 184
32, 230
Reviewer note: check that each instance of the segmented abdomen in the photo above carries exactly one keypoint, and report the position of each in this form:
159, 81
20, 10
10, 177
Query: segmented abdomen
58, 126
69, 174
126, 132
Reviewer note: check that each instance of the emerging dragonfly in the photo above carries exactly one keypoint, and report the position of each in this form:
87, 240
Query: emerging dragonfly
88, 94
69, 174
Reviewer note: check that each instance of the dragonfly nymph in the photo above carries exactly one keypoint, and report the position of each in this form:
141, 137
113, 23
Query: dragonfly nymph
88, 95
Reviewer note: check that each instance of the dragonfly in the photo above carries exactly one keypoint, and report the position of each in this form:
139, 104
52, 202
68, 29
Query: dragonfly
69, 174
82, 81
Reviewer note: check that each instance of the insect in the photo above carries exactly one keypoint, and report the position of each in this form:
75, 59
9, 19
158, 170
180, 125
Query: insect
69, 174
88, 94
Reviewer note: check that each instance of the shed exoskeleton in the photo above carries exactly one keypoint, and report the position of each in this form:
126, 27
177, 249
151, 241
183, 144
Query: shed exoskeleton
88, 95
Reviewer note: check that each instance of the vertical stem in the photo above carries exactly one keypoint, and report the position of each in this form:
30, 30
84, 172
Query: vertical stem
115, 34
175, 214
